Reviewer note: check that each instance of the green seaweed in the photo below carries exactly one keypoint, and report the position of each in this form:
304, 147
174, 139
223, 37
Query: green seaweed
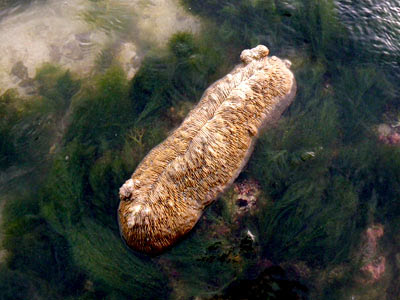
30, 128
57, 86
77, 192
113, 17
181, 74
39, 255
102, 113
102, 253
8, 118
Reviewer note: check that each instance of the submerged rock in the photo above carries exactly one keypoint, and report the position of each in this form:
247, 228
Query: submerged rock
246, 197
54, 53
72, 50
20, 70
28, 85
25, 84
128, 58
168, 192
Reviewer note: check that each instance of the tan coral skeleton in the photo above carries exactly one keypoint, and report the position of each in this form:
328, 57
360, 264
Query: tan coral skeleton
169, 190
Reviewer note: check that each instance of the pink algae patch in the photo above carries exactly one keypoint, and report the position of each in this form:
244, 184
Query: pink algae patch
373, 233
388, 135
374, 267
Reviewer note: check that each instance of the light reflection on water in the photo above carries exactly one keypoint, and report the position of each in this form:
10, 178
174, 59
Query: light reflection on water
375, 24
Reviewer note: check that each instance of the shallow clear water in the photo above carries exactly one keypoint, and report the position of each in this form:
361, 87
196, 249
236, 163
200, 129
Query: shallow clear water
73, 33
314, 215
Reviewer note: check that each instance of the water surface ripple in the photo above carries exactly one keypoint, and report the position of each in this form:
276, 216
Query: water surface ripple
375, 24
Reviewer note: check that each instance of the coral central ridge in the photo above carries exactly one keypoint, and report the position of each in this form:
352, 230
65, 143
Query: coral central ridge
171, 187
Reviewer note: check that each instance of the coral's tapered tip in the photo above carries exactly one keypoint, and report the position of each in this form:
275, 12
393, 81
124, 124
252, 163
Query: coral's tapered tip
256, 53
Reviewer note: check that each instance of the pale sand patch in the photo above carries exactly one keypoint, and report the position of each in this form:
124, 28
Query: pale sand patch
56, 32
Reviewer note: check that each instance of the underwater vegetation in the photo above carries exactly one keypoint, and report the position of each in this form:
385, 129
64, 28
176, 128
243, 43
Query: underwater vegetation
110, 16
29, 127
8, 114
323, 175
97, 136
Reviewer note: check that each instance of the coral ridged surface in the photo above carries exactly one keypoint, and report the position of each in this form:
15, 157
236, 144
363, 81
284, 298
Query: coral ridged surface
171, 187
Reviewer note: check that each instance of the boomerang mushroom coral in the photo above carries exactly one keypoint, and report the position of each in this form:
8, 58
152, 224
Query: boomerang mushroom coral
169, 190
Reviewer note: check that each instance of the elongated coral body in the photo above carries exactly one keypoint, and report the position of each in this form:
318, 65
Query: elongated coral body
171, 187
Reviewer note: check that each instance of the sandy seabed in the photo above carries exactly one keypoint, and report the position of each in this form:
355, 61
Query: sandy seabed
56, 31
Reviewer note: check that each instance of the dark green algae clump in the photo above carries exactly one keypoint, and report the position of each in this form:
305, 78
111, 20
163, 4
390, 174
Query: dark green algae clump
323, 175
